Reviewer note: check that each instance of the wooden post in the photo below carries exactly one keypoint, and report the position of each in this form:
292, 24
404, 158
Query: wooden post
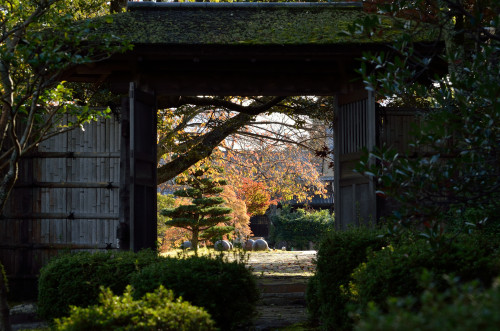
138, 172
4, 307
123, 231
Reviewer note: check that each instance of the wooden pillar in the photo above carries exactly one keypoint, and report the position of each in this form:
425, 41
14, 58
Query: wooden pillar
138, 228
123, 231
355, 201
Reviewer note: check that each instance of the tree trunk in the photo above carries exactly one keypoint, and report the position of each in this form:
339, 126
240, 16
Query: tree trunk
3, 125
194, 240
4, 307
9, 179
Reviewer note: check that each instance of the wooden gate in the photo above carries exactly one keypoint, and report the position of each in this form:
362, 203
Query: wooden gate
355, 202
138, 185
66, 199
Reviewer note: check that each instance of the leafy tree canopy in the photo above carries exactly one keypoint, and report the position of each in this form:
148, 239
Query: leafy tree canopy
279, 150
39, 40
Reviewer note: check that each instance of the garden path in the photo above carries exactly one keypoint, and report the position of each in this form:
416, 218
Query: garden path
282, 278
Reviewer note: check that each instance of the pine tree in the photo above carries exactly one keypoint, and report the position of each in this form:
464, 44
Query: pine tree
203, 216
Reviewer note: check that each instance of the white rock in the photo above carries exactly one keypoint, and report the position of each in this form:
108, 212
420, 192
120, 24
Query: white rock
222, 245
260, 245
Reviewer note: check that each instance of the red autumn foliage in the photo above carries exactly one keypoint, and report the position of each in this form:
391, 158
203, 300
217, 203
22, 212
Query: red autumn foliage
255, 195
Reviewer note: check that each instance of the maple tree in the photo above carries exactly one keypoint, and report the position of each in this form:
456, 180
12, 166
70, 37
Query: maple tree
278, 147
191, 128
289, 172
240, 218
255, 195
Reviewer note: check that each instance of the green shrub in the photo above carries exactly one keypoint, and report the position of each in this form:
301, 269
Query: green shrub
155, 311
395, 270
227, 290
339, 254
300, 227
460, 308
75, 279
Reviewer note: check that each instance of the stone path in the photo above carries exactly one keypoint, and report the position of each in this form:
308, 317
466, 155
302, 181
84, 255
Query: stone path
282, 279
282, 263
23, 317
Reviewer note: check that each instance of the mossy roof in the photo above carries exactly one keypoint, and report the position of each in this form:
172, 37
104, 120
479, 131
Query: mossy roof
240, 24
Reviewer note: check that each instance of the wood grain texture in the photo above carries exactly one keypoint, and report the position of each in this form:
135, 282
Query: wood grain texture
66, 199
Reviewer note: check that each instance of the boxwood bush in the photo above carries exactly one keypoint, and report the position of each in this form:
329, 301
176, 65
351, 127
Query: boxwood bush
227, 290
395, 270
339, 254
75, 279
154, 311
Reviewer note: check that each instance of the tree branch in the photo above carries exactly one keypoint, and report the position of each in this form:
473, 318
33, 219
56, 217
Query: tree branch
249, 110
203, 149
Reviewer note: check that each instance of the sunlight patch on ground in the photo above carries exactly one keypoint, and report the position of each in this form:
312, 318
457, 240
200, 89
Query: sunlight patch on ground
274, 263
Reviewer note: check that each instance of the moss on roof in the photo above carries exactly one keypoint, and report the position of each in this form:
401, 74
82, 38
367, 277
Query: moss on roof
235, 26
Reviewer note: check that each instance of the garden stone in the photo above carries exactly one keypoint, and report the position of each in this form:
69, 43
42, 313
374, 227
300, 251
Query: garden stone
260, 245
281, 245
249, 244
222, 245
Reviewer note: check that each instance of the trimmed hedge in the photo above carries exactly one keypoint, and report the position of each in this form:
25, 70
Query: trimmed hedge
460, 308
395, 271
339, 254
155, 311
75, 279
298, 228
227, 290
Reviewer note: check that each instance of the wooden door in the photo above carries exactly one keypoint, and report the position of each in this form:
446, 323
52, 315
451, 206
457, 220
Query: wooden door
355, 202
138, 189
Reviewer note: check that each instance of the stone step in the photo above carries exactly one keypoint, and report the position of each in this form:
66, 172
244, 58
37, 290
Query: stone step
282, 292
23, 317
283, 299
275, 317
282, 288
287, 285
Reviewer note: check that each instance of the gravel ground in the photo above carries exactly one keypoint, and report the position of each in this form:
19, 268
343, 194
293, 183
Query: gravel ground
282, 263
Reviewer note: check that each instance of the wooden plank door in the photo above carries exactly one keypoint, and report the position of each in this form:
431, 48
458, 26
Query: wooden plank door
355, 202
138, 189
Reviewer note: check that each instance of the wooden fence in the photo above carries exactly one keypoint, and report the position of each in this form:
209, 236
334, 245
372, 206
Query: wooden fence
394, 128
66, 199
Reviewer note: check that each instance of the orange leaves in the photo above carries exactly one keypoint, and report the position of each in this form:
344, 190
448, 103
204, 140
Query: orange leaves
288, 171
241, 221
255, 195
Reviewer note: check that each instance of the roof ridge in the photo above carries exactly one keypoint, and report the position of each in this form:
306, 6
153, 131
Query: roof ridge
150, 5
